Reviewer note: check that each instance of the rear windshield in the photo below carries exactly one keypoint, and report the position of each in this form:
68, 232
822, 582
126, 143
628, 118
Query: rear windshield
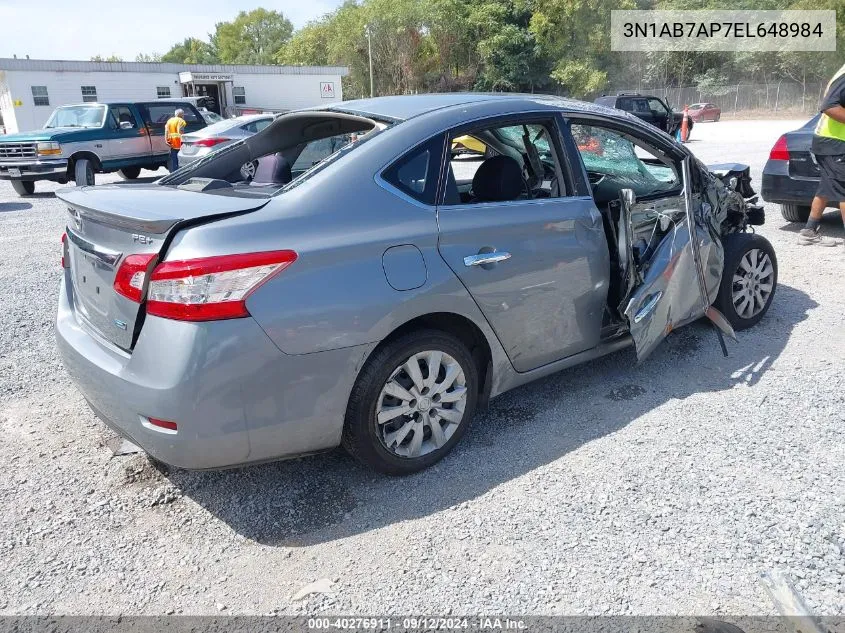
285, 154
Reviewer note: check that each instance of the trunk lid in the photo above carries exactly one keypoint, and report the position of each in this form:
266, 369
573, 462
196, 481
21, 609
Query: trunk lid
106, 224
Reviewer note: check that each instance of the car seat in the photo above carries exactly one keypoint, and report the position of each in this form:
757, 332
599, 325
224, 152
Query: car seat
273, 169
498, 179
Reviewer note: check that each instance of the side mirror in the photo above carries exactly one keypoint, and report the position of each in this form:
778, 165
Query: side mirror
126, 125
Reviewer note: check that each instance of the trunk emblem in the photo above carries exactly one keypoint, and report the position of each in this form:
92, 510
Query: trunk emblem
120, 324
141, 239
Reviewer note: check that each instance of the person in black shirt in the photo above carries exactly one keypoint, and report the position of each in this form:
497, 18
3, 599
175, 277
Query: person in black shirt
829, 151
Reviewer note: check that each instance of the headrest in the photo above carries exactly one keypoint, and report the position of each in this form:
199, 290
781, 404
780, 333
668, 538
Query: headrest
499, 178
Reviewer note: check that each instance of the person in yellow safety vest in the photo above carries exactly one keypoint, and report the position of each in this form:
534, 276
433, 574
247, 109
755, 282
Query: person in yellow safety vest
173, 136
829, 151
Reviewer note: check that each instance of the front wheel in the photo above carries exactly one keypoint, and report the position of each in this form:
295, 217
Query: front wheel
749, 279
129, 173
83, 172
24, 187
411, 403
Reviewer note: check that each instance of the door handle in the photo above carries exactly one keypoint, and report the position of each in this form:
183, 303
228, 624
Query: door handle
486, 258
648, 306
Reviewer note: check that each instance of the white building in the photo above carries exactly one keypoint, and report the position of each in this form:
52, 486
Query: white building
31, 88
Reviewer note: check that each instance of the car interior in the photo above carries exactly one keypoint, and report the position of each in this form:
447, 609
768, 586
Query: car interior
518, 164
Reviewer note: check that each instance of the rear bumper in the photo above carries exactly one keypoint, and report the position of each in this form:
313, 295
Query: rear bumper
235, 397
55, 169
779, 187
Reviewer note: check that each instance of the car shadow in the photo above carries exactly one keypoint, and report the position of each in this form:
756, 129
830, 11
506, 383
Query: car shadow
330, 496
5, 207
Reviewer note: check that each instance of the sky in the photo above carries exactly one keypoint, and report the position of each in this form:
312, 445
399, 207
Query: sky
80, 29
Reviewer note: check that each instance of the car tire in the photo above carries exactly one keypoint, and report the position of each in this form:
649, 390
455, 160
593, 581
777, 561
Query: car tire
750, 274
83, 172
248, 170
23, 187
129, 173
795, 212
717, 117
393, 445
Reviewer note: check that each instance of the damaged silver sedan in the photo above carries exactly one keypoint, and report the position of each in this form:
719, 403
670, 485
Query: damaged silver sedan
371, 283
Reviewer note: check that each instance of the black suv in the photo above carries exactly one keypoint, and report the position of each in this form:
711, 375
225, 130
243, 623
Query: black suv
649, 108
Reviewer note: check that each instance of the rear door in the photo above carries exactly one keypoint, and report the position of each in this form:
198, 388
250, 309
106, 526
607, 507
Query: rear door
531, 253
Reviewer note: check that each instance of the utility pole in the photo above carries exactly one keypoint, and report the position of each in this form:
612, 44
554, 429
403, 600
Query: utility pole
368, 33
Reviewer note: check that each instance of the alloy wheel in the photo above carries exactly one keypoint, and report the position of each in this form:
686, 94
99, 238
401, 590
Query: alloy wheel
752, 283
248, 170
422, 404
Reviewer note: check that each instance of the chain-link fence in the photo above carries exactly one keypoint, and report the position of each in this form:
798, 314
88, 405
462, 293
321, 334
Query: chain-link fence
781, 97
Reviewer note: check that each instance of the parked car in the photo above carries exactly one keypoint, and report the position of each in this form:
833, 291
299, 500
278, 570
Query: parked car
791, 175
201, 143
649, 108
468, 145
87, 138
704, 112
376, 298
210, 117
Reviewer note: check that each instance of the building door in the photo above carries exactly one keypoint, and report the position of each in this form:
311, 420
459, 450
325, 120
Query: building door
212, 92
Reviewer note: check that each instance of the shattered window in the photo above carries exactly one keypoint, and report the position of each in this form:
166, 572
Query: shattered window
616, 157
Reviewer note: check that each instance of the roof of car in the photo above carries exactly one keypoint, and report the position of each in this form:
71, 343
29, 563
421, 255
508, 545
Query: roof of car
124, 102
403, 107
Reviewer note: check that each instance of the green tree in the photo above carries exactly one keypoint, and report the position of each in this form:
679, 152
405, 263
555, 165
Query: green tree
144, 57
110, 58
252, 38
191, 51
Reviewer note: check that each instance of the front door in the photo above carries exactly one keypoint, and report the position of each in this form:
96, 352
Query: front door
660, 115
667, 259
532, 255
128, 139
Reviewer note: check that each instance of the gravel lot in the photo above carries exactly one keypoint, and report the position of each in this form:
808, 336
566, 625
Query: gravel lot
665, 488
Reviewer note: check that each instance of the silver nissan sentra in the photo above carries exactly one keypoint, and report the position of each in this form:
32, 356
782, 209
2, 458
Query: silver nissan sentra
371, 287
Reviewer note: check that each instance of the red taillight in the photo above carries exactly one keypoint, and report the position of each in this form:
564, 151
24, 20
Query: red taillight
780, 151
211, 288
208, 142
130, 277
163, 424
64, 249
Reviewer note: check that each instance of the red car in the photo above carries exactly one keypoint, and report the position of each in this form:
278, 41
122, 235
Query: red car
705, 112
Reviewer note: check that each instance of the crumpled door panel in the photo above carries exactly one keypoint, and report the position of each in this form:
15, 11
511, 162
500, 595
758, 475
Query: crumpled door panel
669, 295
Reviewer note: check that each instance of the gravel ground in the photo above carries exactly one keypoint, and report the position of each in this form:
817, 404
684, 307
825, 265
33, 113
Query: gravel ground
665, 488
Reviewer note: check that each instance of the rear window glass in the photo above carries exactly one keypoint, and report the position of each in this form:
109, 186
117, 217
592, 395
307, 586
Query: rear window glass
159, 114
416, 173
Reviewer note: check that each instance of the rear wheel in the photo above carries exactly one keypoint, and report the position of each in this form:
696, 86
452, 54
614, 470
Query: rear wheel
795, 212
412, 402
24, 187
248, 170
717, 117
749, 279
129, 173
83, 172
